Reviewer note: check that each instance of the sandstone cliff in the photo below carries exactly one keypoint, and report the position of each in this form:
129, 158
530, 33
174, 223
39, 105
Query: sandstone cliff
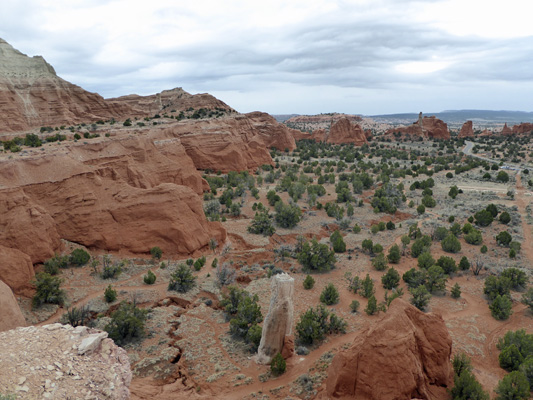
60, 362
405, 355
32, 95
343, 131
11, 316
523, 128
466, 130
425, 127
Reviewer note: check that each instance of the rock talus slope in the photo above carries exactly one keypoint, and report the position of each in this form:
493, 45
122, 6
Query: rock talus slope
61, 362
405, 355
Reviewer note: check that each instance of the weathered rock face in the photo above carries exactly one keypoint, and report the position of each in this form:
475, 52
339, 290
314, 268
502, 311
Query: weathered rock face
343, 131
32, 95
506, 131
466, 130
11, 316
74, 363
523, 128
123, 194
16, 270
405, 355
173, 99
24, 224
425, 127
278, 322
272, 133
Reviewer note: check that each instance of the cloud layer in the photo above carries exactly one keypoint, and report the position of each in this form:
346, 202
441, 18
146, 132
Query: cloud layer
366, 56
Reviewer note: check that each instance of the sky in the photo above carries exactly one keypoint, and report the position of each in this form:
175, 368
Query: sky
289, 56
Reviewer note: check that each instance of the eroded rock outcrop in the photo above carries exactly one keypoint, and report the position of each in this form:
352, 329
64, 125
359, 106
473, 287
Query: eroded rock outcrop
343, 131
10, 315
32, 95
16, 270
425, 127
60, 362
405, 355
523, 128
466, 130
277, 328
506, 131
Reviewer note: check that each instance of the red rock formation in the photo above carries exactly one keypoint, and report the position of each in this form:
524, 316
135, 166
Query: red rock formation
466, 130
16, 270
32, 95
405, 355
122, 194
486, 132
427, 127
343, 131
329, 118
523, 128
24, 224
272, 133
11, 315
506, 131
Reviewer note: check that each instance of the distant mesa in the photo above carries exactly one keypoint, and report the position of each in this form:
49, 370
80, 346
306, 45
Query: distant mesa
406, 355
425, 128
466, 130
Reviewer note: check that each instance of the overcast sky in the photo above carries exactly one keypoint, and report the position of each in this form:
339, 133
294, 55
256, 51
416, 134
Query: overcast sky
289, 56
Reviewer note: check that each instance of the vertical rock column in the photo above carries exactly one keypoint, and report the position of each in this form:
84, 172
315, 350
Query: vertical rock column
277, 328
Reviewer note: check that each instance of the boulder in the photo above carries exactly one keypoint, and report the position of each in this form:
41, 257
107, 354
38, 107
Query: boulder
405, 355
10, 315
466, 130
343, 131
16, 271
277, 328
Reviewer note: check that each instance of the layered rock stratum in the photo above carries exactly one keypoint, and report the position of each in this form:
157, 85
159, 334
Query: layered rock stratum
405, 355
61, 362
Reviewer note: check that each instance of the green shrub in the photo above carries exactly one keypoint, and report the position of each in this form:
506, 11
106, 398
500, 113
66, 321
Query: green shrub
354, 306
505, 218
372, 306
278, 365
316, 257
436, 279
379, 262
414, 278
451, 244
447, 264
308, 282
425, 260
495, 286
367, 287
421, 209
337, 242
110, 294
262, 224
527, 298
330, 295
483, 218
76, 316
421, 297
510, 358
156, 253
517, 277
315, 324
527, 369
127, 323
456, 291
182, 279
461, 363
110, 271
79, 257
394, 255
52, 265
467, 387
440, 233
287, 215
47, 290
501, 307
483, 249
149, 278
464, 264
513, 386
474, 237
420, 246
391, 279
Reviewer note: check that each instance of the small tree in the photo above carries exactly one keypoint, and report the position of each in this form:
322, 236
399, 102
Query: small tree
421, 209
483, 218
517, 277
394, 254
354, 306
466, 386
379, 262
456, 291
156, 253
127, 323
48, 290
505, 218
367, 287
79, 257
451, 244
337, 242
308, 282
513, 386
501, 307
421, 297
464, 264
278, 365
110, 294
225, 274
504, 238
149, 278
182, 279
262, 224
447, 264
436, 280
527, 298
425, 260
391, 279
316, 257
510, 358
330, 295
372, 306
